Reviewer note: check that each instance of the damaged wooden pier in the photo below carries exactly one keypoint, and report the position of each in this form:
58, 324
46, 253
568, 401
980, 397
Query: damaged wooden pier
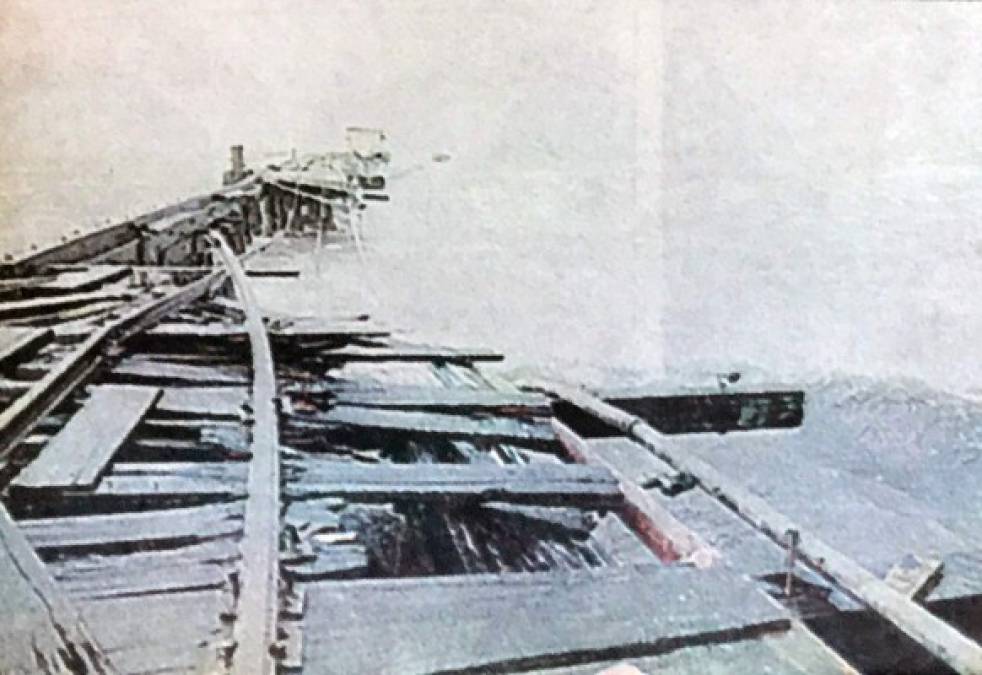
196, 481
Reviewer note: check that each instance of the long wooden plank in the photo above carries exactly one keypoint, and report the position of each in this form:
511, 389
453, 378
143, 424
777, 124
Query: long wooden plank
41, 630
79, 454
85, 280
149, 372
536, 484
499, 429
668, 538
27, 308
446, 400
515, 622
125, 531
940, 638
15, 343
409, 354
255, 629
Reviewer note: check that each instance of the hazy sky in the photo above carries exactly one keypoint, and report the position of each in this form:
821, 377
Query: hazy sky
788, 184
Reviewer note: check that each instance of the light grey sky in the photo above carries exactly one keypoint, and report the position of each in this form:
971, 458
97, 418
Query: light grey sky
793, 185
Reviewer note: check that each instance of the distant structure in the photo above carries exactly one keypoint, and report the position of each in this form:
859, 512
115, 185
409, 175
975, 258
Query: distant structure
367, 145
238, 170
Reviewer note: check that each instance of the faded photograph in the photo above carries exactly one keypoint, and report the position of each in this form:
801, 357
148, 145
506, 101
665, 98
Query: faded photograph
424, 336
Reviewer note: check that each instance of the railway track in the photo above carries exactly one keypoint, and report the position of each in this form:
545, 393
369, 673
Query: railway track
194, 481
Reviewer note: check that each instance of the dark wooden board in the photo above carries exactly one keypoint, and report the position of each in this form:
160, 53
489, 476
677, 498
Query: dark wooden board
493, 429
79, 454
28, 308
498, 623
447, 400
540, 484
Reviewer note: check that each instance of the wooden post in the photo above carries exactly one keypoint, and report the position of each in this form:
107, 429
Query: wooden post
939, 638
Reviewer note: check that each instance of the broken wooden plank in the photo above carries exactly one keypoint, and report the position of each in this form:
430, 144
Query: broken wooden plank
665, 535
129, 531
511, 622
915, 577
938, 637
80, 453
491, 429
41, 629
16, 344
447, 400
145, 573
17, 419
337, 561
539, 484
84, 280
40, 306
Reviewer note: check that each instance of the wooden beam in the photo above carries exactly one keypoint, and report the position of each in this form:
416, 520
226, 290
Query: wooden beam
938, 637
258, 605
567, 485
493, 429
39, 621
447, 400
78, 455
28, 308
665, 535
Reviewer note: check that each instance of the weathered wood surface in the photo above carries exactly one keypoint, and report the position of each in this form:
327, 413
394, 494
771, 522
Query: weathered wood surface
539, 484
337, 561
499, 429
145, 573
40, 306
17, 419
41, 632
154, 372
940, 638
446, 400
224, 403
16, 343
130, 531
669, 538
80, 453
172, 632
82, 281
499, 623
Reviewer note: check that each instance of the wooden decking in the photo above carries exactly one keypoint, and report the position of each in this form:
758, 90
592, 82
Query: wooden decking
197, 482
